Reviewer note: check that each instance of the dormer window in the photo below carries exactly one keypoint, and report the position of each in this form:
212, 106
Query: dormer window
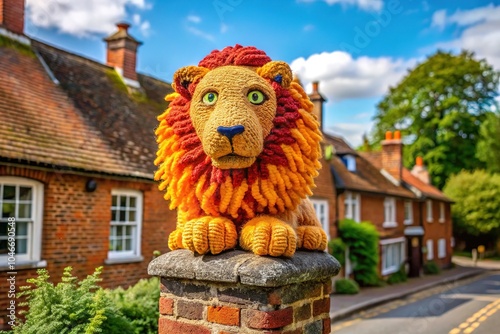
350, 162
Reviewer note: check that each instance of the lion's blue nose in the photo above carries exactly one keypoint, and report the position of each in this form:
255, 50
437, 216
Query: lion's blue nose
230, 131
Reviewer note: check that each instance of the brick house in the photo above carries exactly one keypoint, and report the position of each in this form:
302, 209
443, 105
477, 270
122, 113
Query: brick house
375, 187
77, 148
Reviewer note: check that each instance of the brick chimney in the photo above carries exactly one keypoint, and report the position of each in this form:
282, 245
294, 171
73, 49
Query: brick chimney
420, 171
121, 53
12, 16
317, 99
392, 154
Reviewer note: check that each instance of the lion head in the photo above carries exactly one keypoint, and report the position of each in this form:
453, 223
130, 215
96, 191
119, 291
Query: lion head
238, 139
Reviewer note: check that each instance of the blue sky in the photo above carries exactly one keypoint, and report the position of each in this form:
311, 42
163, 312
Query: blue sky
356, 49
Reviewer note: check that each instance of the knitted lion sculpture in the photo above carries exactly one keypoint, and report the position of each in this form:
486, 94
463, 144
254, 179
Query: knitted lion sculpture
238, 150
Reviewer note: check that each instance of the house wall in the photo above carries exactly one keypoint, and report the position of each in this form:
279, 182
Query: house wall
76, 227
436, 230
325, 189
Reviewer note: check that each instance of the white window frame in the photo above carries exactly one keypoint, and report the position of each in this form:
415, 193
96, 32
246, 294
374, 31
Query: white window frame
352, 206
135, 254
408, 213
441, 248
429, 209
389, 213
442, 216
387, 246
32, 258
430, 249
322, 215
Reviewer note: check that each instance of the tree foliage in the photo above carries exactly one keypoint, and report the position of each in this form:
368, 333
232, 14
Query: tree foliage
488, 146
439, 107
477, 202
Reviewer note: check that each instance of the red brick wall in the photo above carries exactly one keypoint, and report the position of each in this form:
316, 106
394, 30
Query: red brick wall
124, 59
12, 15
76, 227
436, 230
325, 189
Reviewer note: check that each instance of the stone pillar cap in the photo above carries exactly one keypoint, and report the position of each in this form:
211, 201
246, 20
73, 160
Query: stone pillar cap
244, 267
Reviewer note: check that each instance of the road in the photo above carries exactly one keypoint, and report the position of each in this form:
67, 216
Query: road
471, 306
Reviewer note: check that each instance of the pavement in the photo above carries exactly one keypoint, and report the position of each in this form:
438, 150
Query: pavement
343, 306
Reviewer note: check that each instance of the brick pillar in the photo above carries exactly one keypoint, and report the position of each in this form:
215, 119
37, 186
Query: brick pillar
239, 292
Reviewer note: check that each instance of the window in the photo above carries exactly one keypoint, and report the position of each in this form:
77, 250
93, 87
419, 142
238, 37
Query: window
408, 213
393, 255
321, 208
21, 201
430, 218
350, 162
389, 212
441, 213
126, 225
351, 206
430, 249
441, 248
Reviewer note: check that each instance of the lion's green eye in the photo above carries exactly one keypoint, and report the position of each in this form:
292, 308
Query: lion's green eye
256, 97
210, 98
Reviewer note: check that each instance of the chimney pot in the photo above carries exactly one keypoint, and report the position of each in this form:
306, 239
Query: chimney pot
315, 86
388, 135
419, 161
123, 26
397, 134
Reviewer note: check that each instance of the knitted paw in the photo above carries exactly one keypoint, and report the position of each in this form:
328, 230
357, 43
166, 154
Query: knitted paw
175, 239
265, 235
311, 237
209, 234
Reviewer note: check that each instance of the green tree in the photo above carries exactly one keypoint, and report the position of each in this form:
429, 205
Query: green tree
488, 146
477, 203
439, 107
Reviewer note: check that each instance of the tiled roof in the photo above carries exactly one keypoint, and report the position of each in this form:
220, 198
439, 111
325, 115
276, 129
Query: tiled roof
341, 147
87, 123
408, 178
428, 190
366, 178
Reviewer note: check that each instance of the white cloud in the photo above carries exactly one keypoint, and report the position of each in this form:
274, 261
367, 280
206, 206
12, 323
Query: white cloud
200, 33
439, 18
343, 77
194, 19
368, 5
480, 33
83, 18
351, 132
308, 27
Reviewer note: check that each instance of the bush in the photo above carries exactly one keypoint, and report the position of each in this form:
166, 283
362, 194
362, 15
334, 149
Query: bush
399, 276
345, 286
337, 249
431, 268
363, 241
70, 307
139, 303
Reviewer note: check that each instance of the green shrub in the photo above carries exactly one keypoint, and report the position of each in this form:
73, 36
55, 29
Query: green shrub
431, 268
363, 241
139, 303
398, 277
70, 307
345, 286
337, 249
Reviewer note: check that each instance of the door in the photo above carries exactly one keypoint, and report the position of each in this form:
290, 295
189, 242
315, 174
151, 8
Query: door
415, 256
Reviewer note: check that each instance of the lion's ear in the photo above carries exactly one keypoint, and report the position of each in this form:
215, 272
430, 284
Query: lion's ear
185, 77
277, 71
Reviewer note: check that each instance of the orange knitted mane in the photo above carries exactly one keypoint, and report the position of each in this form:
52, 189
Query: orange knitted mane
276, 182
